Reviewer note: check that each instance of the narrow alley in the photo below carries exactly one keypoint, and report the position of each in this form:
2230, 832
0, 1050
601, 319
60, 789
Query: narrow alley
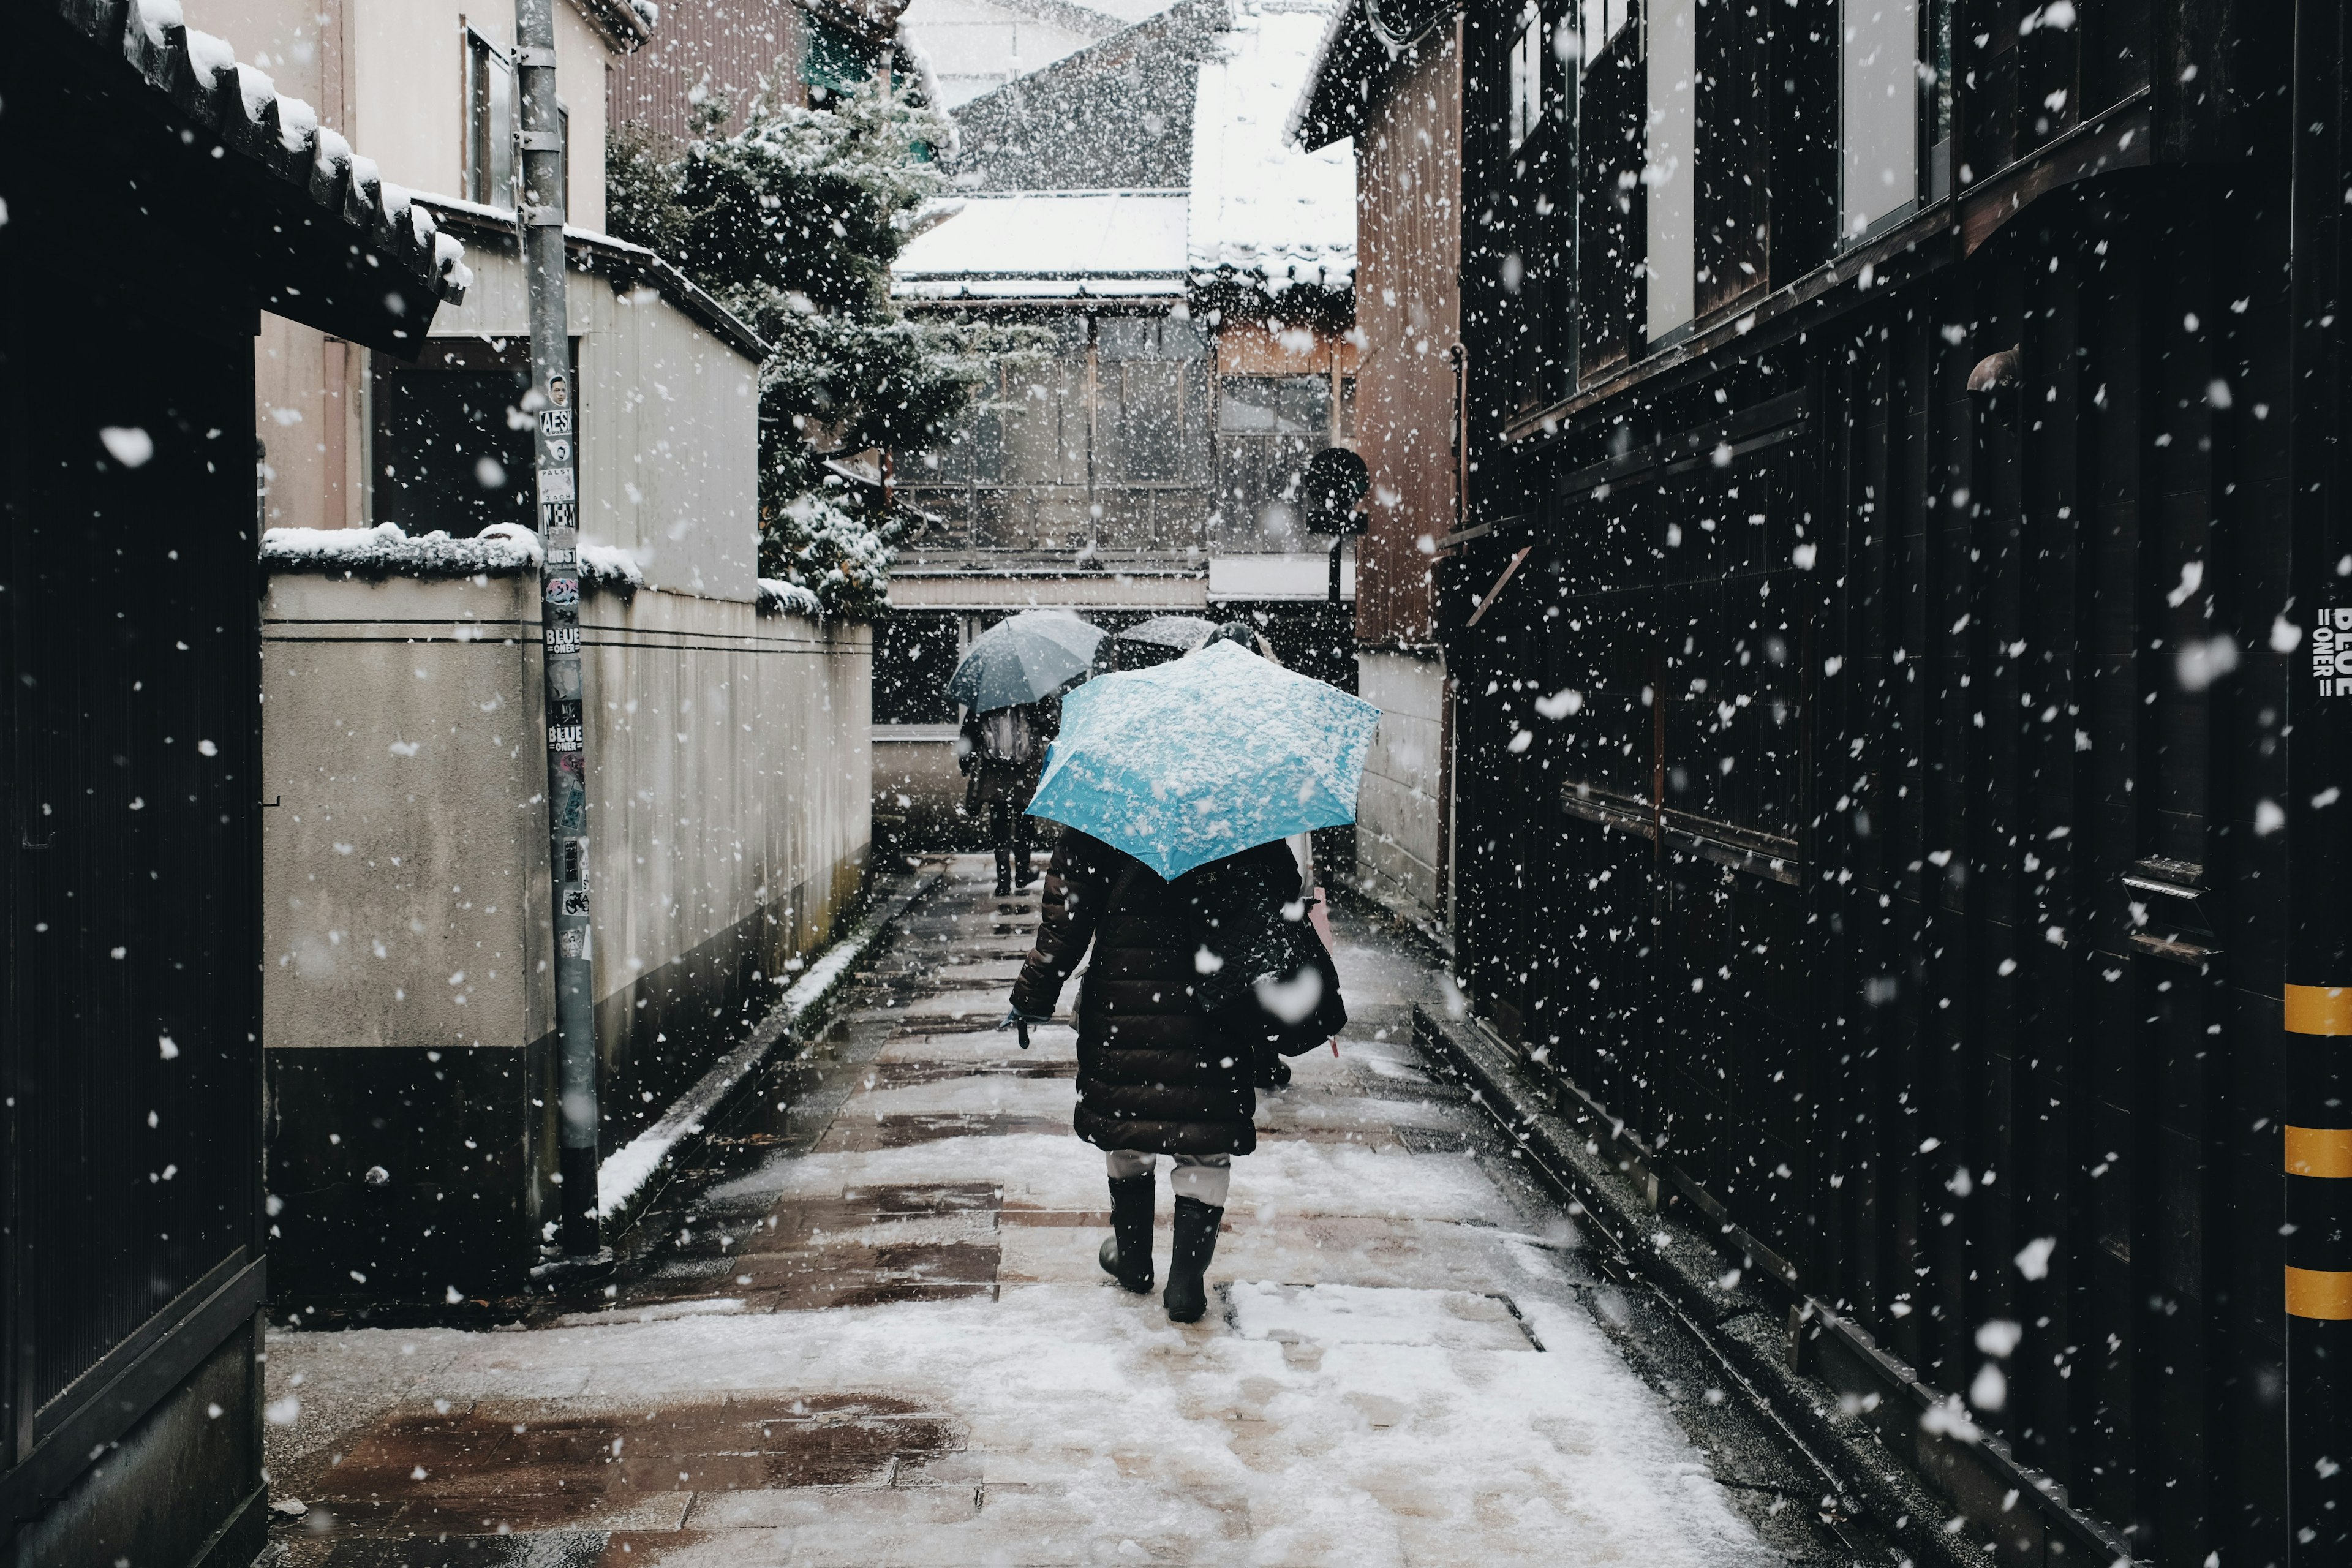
878, 1334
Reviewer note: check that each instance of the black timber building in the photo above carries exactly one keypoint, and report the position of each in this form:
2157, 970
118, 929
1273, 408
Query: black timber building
1899, 747
158, 197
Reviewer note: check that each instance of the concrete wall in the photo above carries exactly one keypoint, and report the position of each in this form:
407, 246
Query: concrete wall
1402, 811
405, 1007
669, 423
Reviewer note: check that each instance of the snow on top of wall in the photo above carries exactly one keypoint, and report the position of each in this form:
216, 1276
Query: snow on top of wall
202, 75
1032, 244
788, 598
1261, 208
501, 550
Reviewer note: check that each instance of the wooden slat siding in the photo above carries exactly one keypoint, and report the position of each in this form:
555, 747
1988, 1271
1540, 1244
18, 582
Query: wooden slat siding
1408, 239
1734, 125
2248, 878
1611, 119
732, 44
1835, 953
1886, 1254
1800, 209
2107, 690
2165, 1002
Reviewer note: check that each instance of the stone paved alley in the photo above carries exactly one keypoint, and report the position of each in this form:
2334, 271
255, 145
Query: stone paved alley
875, 1334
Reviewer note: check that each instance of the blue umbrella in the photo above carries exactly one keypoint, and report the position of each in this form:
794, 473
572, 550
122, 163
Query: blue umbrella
1024, 657
1191, 761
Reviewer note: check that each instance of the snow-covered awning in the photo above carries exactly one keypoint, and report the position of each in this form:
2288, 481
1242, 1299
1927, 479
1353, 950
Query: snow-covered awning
1262, 209
1050, 245
204, 80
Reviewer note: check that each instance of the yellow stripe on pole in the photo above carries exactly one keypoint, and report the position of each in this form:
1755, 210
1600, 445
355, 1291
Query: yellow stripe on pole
2319, 1152
2319, 1009
2323, 1293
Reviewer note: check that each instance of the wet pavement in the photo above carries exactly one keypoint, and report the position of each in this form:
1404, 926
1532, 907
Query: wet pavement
872, 1331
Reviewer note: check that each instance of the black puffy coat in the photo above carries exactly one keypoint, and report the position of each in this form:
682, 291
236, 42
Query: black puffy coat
1153, 1073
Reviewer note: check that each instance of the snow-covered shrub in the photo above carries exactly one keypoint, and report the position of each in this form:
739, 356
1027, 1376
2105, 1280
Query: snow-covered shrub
790, 218
815, 543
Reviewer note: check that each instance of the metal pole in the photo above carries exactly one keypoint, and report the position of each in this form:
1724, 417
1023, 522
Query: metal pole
540, 201
2317, 993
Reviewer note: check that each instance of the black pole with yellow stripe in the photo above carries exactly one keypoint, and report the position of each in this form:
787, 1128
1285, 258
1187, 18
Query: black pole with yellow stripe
2318, 1142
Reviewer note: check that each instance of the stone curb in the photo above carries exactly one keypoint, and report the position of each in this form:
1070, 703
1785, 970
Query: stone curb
679, 1131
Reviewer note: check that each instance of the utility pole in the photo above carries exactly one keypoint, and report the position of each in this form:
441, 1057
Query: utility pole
2316, 1134
539, 217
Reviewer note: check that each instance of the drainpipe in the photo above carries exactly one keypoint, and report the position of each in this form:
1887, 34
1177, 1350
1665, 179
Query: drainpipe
2317, 1114
541, 218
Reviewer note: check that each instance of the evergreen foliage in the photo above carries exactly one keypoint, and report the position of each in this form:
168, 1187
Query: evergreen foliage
790, 218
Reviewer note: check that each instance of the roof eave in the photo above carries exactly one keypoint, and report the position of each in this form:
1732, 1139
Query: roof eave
615, 258
238, 104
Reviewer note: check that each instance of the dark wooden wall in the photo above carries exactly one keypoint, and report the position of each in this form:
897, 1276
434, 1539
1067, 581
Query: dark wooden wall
1909, 865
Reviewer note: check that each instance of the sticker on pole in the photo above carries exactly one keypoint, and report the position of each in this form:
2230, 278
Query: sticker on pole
575, 902
2331, 653
563, 638
556, 484
563, 590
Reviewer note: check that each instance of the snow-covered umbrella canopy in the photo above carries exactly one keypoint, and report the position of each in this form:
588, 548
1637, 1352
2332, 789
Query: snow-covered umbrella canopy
1193, 760
1183, 633
1024, 657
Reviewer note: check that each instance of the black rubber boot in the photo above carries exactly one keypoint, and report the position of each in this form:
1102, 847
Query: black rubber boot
1004, 874
1126, 1253
1187, 1296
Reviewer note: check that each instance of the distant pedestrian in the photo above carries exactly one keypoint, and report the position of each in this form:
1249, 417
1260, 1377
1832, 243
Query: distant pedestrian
1002, 752
1156, 1074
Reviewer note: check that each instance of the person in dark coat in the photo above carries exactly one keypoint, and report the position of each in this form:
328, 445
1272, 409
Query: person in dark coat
1002, 753
1154, 1075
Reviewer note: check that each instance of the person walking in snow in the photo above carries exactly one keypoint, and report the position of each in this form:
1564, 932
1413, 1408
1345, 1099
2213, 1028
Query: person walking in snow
1156, 1075
1002, 751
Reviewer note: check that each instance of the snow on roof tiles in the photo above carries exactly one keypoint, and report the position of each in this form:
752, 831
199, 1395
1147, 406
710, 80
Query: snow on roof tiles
1261, 208
1028, 245
202, 75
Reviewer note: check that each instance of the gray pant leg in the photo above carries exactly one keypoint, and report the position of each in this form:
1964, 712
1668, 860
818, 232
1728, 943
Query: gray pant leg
1203, 1178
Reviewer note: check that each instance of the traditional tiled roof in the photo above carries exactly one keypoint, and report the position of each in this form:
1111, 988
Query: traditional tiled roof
203, 77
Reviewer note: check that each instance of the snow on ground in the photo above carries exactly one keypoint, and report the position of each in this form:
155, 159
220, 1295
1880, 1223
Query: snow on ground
1396, 1370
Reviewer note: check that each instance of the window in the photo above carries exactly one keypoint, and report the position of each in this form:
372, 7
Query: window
1602, 20
1527, 77
1670, 173
489, 122
1878, 61
448, 446
491, 119
1267, 427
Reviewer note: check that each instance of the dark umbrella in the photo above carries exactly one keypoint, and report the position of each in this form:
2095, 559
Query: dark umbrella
1157, 640
1024, 657
1183, 633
